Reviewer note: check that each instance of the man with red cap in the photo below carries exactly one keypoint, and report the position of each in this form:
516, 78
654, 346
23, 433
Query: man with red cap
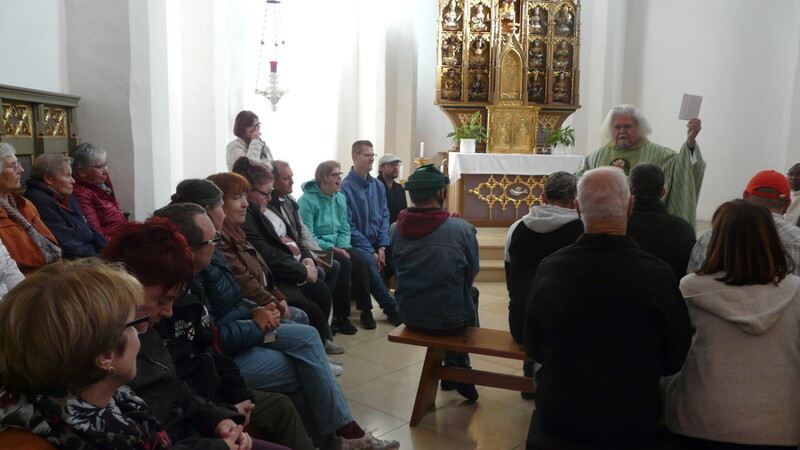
769, 189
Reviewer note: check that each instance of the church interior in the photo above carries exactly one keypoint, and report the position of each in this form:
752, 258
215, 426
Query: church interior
158, 83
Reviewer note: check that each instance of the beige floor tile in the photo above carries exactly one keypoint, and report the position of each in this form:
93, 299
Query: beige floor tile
493, 321
506, 397
372, 419
482, 424
418, 438
499, 308
394, 394
359, 370
389, 354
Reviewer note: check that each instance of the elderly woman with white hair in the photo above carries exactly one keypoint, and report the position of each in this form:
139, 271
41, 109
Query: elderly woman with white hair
28, 240
93, 189
50, 189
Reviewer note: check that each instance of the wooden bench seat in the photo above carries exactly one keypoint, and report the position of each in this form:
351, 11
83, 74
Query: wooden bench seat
481, 341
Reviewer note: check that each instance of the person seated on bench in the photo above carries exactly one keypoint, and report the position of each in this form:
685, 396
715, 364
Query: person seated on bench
740, 384
69, 335
50, 190
543, 231
435, 298
606, 320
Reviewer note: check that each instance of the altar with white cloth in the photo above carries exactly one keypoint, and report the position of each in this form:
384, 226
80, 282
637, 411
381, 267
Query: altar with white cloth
491, 189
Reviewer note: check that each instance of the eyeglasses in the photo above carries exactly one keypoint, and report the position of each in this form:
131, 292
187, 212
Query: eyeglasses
215, 241
256, 125
100, 166
140, 322
14, 166
368, 155
337, 174
265, 194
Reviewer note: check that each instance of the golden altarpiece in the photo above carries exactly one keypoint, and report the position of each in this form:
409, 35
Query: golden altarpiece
516, 61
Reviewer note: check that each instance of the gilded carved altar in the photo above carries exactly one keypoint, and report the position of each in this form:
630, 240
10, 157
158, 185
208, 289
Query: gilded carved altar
515, 60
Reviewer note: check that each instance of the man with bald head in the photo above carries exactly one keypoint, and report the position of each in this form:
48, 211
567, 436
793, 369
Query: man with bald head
606, 320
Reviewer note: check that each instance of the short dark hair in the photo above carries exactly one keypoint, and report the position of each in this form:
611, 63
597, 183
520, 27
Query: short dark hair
363, 143
194, 190
775, 204
277, 165
745, 246
183, 216
255, 173
417, 198
646, 181
561, 186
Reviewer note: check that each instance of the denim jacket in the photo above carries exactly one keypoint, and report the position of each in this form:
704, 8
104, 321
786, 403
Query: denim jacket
436, 260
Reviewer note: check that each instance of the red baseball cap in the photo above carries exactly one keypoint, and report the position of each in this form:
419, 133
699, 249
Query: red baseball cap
769, 179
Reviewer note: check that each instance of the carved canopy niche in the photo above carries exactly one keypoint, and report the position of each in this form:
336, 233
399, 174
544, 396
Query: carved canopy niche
514, 60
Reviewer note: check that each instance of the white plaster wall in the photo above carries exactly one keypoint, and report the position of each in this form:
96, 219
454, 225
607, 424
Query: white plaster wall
33, 53
742, 57
99, 70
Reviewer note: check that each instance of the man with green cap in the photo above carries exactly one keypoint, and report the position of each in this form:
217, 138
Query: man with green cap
435, 257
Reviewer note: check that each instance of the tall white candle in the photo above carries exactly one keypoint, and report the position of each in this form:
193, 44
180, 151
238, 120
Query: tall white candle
421, 149
400, 173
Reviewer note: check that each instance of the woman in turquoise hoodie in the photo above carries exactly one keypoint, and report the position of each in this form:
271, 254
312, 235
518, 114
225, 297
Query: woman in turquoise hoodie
324, 211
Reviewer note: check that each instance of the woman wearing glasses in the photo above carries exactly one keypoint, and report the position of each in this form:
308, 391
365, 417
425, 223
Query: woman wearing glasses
324, 211
50, 189
68, 344
248, 141
94, 190
28, 240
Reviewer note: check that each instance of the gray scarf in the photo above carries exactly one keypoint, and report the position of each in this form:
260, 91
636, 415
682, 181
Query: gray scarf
51, 251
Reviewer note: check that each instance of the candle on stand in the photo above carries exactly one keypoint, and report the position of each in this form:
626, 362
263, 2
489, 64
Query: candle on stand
421, 150
273, 66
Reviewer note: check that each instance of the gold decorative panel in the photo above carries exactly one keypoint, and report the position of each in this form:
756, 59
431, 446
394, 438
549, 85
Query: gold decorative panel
17, 120
508, 192
55, 122
508, 53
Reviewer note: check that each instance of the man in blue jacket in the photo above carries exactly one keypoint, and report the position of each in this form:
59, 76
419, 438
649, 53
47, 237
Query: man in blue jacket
436, 298
369, 222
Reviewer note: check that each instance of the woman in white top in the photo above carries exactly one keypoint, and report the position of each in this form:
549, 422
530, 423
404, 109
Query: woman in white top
9, 272
248, 141
741, 380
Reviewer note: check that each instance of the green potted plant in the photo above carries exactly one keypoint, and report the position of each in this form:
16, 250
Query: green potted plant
469, 133
564, 136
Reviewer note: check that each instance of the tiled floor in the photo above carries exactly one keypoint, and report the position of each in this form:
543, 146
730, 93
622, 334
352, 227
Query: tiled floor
380, 383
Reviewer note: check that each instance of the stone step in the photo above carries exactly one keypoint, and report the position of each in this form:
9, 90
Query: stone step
488, 252
491, 270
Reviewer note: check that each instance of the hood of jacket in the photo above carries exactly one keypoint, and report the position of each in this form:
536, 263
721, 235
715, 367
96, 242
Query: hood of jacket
754, 309
311, 187
547, 218
415, 224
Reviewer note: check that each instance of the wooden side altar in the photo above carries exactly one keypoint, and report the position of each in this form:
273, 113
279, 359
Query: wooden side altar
497, 189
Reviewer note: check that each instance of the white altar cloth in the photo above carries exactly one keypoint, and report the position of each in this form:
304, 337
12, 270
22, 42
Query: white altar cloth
511, 164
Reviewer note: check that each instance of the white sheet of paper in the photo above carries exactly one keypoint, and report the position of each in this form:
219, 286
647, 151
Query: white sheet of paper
690, 108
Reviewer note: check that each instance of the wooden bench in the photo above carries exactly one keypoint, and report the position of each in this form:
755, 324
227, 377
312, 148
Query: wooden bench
481, 341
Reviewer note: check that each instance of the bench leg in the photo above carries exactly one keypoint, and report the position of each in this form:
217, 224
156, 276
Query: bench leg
428, 385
